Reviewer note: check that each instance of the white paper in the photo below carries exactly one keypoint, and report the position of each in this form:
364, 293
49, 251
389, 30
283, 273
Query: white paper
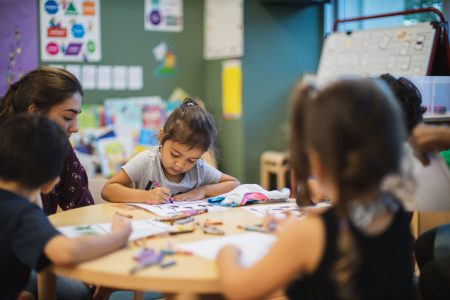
104, 77
274, 209
88, 77
119, 77
224, 29
170, 209
253, 246
163, 15
160, 51
135, 78
433, 186
75, 70
141, 228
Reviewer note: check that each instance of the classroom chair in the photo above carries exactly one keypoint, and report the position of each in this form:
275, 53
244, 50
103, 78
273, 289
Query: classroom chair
275, 163
95, 187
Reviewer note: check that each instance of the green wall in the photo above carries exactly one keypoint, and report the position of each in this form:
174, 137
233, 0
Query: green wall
281, 42
125, 42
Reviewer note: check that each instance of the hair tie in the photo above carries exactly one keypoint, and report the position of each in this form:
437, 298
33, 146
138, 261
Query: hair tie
16, 84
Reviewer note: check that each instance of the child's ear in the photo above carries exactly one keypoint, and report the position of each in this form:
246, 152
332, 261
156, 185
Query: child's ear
32, 108
47, 187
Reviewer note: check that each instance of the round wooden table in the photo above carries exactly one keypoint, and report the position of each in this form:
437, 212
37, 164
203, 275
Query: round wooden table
190, 277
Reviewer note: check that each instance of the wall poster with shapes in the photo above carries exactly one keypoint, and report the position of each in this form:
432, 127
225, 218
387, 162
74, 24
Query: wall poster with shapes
70, 30
18, 40
163, 15
223, 29
400, 51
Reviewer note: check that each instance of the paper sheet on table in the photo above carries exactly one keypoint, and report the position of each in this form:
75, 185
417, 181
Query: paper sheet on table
170, 209
141, 228
274, 209
433, 186
253, 246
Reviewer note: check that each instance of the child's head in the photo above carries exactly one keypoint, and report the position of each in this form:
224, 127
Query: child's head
32, 150
409, 97
188, 133
46, 90
354, 128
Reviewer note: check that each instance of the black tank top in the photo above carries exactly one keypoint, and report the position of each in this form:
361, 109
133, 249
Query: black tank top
385, 264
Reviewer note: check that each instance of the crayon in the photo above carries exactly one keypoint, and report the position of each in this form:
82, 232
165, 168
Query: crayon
150, 261
252, 228
167, 264
124, 215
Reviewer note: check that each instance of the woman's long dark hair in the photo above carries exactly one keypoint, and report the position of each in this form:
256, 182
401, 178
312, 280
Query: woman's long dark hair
43, 87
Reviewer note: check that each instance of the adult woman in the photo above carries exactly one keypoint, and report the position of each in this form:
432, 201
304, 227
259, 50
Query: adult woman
57, 94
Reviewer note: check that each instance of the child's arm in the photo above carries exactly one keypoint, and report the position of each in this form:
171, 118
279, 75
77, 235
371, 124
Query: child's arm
118, 189
287, 259
226, 183
61, 250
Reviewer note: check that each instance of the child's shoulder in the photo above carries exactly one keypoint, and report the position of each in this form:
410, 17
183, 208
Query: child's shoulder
150, 153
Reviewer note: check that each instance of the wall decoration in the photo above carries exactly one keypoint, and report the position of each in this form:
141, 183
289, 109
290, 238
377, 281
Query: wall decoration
223, 29
70, 30
232, 89
163, 15
18, 40
167, 59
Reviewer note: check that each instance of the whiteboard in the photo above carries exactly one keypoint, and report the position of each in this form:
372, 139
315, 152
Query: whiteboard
223, 29
400, 51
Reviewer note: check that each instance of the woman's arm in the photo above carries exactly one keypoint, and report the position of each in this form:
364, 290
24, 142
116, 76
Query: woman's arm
65, 251
226, 183
288, 259
118, 189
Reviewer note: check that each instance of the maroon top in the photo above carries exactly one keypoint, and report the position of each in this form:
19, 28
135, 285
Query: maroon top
72, 190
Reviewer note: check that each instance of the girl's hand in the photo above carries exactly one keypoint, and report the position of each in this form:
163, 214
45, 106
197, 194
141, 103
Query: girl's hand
228, 253
278, 225
121, 226
158, 195
195, 194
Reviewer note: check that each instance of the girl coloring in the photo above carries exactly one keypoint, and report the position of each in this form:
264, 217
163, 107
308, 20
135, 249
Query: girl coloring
174, 170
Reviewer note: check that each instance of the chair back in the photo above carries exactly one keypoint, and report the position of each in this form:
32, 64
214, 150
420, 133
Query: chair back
96, 187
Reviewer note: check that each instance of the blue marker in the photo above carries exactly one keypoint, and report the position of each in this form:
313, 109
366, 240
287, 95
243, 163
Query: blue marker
168, 264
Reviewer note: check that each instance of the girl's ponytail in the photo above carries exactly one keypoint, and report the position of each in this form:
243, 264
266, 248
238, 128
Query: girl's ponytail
7, 107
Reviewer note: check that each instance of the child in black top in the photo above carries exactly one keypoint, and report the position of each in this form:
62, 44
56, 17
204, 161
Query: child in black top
349, 135
32, 152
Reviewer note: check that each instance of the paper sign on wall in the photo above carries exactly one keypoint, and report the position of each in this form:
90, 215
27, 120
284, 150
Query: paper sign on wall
232, 89
163, 15
70, 30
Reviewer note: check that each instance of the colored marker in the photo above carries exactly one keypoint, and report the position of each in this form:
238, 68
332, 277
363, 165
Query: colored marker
124, 215
150, 261
252, 228
168, 264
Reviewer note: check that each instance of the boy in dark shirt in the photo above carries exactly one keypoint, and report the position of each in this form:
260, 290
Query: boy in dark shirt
32, 152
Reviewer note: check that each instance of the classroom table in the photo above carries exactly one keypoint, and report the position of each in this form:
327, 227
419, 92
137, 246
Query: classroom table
192, 277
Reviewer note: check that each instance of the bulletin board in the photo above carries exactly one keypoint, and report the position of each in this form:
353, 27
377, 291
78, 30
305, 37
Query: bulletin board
400, 51
223, 29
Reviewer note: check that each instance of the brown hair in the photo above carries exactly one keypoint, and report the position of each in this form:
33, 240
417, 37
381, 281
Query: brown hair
189, 124
355, 126
44, 87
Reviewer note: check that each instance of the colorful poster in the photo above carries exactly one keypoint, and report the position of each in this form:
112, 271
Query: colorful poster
163, 15
70, 30
232, 89
18, 40
167, 61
